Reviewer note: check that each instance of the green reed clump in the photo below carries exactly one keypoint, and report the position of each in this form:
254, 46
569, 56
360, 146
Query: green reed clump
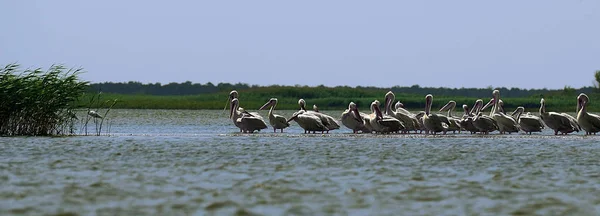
35, 102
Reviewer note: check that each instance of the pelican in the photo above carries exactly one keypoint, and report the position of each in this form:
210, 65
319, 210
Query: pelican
432, 122
416, 123
484, 124
467, 120
558, 121
404, 117
94, 114
246, 122
315, 108
419, 117
529, 123
308, 122
353, 119
380, 123
588, 121
276, 121
454, 121
505, 122
327, 120
234, 95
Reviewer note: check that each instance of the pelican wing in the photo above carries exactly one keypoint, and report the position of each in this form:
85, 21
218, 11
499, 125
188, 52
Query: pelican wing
278, 121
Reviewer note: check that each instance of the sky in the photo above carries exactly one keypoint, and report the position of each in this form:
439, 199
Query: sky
459, 43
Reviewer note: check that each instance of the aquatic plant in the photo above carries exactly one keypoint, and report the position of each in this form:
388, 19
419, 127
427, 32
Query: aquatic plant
95, 103
36, 102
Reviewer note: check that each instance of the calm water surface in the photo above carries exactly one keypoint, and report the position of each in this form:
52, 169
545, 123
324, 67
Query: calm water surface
195, 163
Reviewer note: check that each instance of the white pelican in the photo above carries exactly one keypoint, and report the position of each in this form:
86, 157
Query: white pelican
308, 122
234, 95
454, 121
419, 117
315, 108
588, 121
432, 122
327, 120
505, 122
94, 114
406, 118
380, 123
353, 119
484, 124
392, 123
276, 121
529, 123
416, 122
246, 122
558, 121
467, 120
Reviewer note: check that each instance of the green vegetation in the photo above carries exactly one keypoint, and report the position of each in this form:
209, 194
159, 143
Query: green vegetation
337, 98
36, 102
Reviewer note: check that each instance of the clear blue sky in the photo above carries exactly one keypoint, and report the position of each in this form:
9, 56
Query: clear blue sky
457, 43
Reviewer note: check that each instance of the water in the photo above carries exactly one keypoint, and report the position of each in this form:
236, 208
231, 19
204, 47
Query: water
194, 163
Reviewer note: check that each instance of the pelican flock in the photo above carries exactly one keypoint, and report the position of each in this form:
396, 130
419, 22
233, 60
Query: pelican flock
392, 117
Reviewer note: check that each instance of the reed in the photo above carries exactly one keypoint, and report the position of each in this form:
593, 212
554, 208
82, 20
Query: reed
95, 104
36, 102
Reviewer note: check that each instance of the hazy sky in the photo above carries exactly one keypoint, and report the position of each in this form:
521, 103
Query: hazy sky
457, 43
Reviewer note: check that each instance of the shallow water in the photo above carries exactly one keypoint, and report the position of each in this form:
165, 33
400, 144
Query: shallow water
178, 162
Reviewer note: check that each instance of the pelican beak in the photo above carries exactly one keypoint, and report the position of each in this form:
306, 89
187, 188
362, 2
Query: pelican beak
378, 113
579, 103
268, 104
445, 107
387, 103
355, 110
514, 112
492, 102
293, 117
231, 110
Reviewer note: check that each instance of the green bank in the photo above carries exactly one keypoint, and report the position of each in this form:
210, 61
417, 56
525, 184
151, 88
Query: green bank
335, 98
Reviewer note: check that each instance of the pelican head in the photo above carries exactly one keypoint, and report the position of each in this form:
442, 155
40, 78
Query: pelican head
581, 100
465, 108
398, 105
377, 103
351, 105
477, 106
302, 104
376, 110
496, 93
270, 103
542, 106
389, 99
233, 94
428, 102
352, 108
315, 108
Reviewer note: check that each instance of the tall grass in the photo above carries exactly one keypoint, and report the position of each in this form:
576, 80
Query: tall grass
36, 102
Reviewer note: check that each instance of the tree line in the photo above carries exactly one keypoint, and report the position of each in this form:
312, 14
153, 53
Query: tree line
189, 88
